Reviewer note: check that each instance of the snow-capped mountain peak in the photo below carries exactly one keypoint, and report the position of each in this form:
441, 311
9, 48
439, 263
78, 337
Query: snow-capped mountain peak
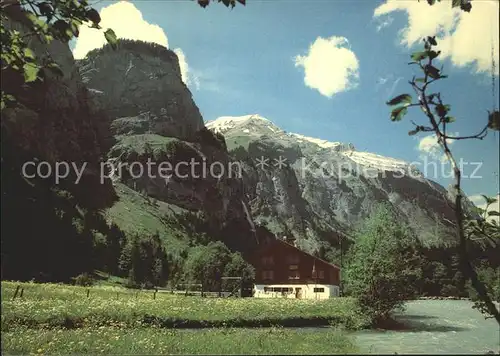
383, 163
321, 143
225, 123
256, 125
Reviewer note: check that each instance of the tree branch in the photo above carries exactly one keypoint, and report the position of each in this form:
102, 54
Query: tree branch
467, 267
481, 135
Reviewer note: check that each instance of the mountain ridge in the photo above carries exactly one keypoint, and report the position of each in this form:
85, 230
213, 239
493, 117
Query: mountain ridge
327, 181
225, 124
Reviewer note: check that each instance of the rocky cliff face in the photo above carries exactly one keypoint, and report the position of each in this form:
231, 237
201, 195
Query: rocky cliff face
140, 85
47, 226
155, 118
55, 120
311, 188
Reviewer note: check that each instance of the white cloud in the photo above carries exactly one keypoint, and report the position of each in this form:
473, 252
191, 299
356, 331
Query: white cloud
479, 201
385, 23
429, 147
382, 81
188, 76
127, 22
464, 38
390, 92
329, 66
182, 64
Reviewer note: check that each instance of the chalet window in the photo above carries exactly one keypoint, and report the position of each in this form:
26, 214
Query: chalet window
294, 275
267, 260
294, 267
293, 259
319, 290
267, 274
282, 290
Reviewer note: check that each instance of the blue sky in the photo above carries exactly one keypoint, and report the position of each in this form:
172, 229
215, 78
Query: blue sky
354, 54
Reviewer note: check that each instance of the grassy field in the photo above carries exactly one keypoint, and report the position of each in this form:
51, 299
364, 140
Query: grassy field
61, 319
151, 341
52, 305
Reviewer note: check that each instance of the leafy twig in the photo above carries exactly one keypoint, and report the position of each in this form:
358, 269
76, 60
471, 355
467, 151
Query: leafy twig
440, 117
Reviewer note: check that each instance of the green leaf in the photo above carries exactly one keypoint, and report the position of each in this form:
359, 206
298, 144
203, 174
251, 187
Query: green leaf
420, 80
432, 71
449, 119
431, 2
28, 53
432, 40
62, 30
489, 200
69, 34
8, 58
9, 97
30, 72
494, 120
418, 56
398, 113
493, 213
466, 7
46, 9
400, 99
74, 27
111, 37
455, 3
413, 132
434, 54
93, 16
54, 68
203, 3
478, 211
442, 110
37, 23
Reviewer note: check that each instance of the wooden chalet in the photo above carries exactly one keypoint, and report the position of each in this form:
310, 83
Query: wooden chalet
283, 270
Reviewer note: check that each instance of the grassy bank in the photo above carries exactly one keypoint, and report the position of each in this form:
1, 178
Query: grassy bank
151, 341
45, 306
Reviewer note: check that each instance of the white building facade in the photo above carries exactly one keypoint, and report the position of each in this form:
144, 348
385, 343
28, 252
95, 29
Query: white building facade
296, 291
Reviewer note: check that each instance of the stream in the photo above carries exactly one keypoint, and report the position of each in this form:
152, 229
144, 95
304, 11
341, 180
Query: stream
436, 326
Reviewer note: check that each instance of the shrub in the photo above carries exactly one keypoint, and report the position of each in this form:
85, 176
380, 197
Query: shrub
84, 279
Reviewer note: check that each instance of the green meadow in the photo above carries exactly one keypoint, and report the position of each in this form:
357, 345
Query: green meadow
62, 319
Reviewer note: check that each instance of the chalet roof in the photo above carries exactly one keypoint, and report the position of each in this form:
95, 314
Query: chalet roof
316, 258
266, 237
